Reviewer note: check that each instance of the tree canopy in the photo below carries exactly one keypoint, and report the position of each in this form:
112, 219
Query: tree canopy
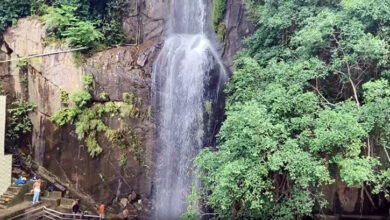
81, 23
309, 101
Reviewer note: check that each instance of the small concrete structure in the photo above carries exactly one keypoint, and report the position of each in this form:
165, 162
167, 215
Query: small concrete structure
5, 160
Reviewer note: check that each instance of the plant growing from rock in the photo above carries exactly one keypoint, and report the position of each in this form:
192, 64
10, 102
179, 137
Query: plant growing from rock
219, 7
104, 96
19, 122
89, 120
123, 160
64, 97
2, 91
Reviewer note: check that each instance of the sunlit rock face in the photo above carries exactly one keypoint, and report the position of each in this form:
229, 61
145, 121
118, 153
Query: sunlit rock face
116, 71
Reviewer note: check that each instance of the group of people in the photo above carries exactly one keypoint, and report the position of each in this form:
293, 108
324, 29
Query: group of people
76, 210
75, 205
36, 191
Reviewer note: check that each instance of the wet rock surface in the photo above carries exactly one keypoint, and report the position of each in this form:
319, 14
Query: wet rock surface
238, 27
145, 19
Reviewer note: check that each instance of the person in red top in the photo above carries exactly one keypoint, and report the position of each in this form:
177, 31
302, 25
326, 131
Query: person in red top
101, 210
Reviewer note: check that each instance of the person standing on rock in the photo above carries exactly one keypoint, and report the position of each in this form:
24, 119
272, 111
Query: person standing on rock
37, 191
101, 210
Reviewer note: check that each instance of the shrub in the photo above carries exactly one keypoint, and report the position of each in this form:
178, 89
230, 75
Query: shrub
19, 122
11, 10
219, 7
83, 34
62, 23
64, 97
104, 96
81, 99
221, 32
88, 82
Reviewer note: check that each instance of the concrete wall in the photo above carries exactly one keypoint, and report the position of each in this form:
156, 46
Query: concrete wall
5, 160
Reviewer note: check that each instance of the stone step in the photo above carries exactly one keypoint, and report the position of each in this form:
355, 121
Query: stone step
4, 198
65, 202
28, 197
53, 194
3, 207
51, 202
14, 189
9, 195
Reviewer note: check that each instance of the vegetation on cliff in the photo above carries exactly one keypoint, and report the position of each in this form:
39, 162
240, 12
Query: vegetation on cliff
90, 119
11, 10
219, 8
19, 122
309, 101
81, 23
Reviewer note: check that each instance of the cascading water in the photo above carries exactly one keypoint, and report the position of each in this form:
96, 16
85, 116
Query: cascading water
188, 75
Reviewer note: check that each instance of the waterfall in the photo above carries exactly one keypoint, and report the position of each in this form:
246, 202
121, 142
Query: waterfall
187, 75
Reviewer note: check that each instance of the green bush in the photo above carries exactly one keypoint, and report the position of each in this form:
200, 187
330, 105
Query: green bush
11, 10
88, 82
112, 28
38, 7
81, 99
82, 23
104, 96
65, 116
219, 7
89, 120
221, 32
19, 123
64, 97
58, 20
83, 34
63, 23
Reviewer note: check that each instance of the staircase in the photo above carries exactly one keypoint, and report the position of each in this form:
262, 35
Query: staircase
13, 193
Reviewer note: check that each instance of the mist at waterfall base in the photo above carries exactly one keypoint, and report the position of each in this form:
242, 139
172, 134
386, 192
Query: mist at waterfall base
188, 75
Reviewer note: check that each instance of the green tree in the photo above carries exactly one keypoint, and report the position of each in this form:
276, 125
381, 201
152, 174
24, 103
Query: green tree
11, 10
310, 94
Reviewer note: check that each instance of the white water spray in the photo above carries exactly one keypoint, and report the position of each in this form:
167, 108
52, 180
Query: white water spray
184, 71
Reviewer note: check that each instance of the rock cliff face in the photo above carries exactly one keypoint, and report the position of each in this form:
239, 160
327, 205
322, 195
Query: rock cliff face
116, 71
238, 27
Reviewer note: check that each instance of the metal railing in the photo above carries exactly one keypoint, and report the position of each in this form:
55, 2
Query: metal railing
46, 213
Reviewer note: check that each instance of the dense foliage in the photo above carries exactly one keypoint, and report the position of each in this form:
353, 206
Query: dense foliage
219, 7
11, 10
310, 98
90, 120
81, 23
19, 122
